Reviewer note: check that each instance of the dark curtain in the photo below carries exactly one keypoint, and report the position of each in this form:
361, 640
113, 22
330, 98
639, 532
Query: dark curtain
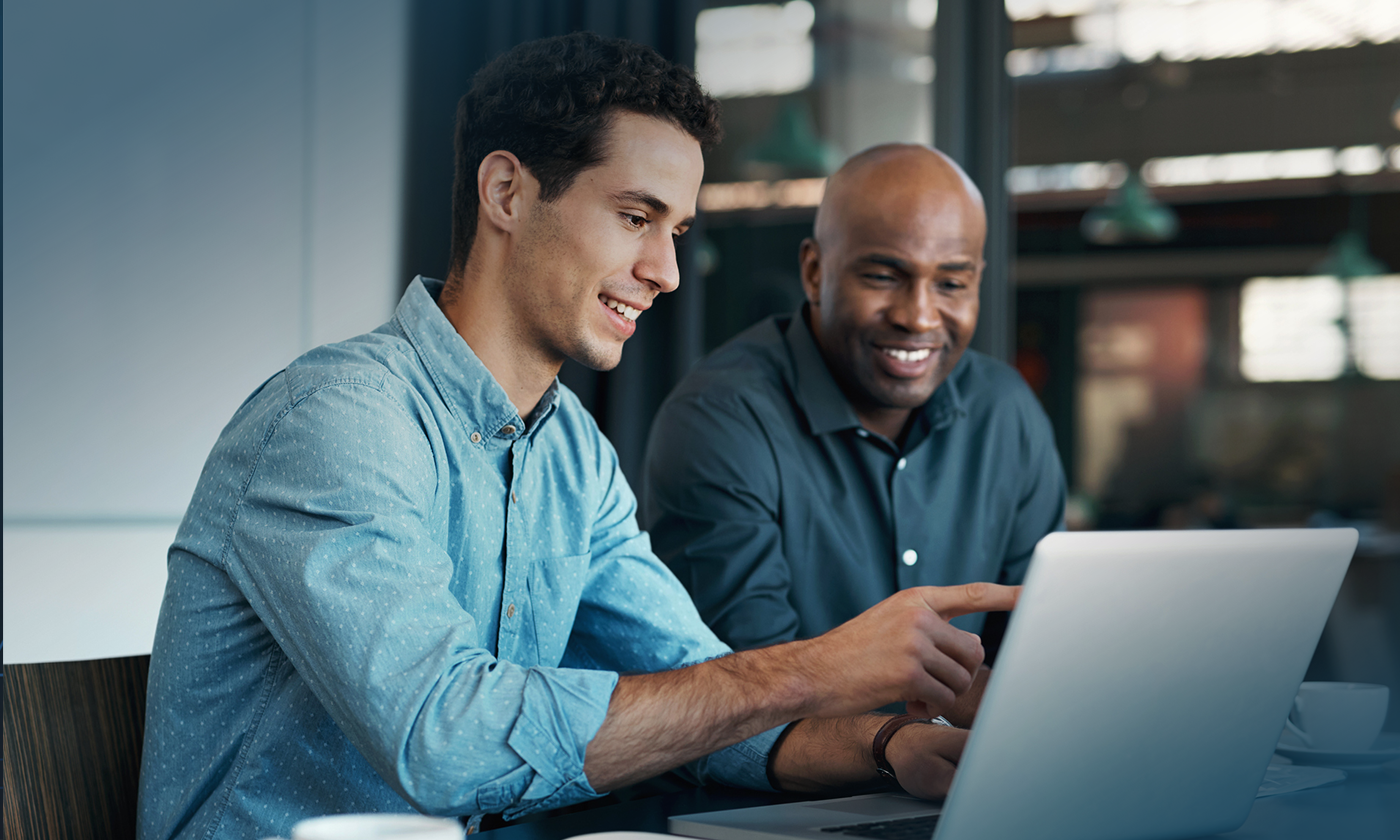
451, 39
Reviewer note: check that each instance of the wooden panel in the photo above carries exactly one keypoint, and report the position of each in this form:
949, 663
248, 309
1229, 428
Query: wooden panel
72, 748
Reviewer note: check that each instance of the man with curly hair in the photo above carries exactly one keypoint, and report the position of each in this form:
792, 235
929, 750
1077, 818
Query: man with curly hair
411, 577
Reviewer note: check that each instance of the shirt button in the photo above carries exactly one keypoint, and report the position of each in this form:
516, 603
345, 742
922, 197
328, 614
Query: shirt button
513, 498
903, 462
476, 437
507, 429
862, 433
910, 557
510, 611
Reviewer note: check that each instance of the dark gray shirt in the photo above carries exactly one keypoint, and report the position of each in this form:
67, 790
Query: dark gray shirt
784, 517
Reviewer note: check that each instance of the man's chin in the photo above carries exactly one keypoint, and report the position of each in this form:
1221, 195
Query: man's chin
903, 393
598, 359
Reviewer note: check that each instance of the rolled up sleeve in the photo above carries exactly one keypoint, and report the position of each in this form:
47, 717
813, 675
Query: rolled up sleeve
635, 617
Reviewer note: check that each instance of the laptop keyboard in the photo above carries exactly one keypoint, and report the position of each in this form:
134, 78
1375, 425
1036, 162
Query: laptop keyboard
909, 828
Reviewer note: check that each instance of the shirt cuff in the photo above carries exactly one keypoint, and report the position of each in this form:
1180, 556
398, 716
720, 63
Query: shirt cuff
768, 764
744, 764
561, 712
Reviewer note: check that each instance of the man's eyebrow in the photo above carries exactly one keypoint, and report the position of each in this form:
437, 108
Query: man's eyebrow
890, 262
656, 205
643, 197
961, 265
906, 267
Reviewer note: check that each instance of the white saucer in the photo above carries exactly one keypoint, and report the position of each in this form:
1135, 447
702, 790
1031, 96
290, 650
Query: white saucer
1385, 750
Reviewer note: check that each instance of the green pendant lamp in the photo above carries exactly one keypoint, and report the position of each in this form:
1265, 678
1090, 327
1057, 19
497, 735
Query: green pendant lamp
791, 148
1347, 257
1131, 214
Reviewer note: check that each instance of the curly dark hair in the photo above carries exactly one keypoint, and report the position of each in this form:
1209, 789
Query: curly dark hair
550, 103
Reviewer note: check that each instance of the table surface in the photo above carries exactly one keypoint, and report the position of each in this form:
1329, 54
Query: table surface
1364, 807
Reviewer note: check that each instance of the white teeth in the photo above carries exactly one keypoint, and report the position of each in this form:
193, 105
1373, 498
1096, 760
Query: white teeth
622, 309
907, 355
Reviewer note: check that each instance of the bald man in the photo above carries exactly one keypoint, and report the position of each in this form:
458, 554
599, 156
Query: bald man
817, 463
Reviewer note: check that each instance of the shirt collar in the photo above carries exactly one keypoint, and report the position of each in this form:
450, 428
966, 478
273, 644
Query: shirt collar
470, 391
946, 404
818, 394
827, 409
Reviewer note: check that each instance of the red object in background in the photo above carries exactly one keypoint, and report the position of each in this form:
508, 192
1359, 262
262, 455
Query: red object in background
1033, 368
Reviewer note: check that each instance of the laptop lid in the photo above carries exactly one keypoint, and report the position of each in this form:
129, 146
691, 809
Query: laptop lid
1139, 692
1143, 682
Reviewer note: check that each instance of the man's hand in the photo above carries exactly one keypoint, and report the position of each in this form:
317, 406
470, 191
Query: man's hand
825, 755
924, 757
964, 710
903, 648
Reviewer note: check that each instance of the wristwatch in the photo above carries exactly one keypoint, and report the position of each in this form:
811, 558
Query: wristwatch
882, 739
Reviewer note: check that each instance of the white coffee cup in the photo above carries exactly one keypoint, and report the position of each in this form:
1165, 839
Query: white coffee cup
377, 827
1338, 716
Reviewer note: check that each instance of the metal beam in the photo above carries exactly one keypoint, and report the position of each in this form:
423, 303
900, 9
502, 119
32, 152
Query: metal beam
1166, 265
972, 123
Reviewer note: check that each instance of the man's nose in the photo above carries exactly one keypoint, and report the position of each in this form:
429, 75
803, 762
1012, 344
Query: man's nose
916, 309
658, 265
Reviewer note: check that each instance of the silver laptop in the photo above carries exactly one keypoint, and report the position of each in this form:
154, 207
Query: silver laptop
1139, 693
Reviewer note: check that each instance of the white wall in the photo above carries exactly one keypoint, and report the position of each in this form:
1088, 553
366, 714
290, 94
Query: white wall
194, 193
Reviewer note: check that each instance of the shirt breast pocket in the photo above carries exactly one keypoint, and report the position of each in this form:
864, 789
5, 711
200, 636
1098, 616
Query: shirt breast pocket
556, 586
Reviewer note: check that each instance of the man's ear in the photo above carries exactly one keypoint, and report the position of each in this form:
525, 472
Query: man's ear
500, 191
809, 258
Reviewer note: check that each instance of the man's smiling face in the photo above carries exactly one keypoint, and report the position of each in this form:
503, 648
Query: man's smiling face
593, 260
892, 278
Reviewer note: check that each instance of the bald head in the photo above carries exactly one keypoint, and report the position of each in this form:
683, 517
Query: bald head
884, 172
891, 275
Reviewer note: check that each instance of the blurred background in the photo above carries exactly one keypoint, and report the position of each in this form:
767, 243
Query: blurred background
1193, 254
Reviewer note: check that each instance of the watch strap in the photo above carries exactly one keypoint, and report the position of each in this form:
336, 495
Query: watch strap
882, 739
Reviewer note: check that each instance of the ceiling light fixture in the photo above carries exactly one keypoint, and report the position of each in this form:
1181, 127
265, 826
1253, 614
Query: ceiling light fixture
1131, 214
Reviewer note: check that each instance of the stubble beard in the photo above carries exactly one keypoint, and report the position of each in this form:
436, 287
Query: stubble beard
565, 331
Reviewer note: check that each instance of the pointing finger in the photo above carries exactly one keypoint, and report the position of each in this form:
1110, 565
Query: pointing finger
953, 601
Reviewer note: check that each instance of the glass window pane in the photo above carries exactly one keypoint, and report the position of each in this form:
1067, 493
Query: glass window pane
759, 49
1375, 325
1290, 329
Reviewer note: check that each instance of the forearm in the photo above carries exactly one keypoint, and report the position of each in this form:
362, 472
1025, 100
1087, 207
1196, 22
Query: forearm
656, 722
827, 754
901, 649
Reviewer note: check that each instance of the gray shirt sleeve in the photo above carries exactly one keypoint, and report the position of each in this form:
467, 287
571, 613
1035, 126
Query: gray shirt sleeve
1040, 505
712, 505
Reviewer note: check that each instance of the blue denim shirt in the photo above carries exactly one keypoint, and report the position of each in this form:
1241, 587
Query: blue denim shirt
391, 592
